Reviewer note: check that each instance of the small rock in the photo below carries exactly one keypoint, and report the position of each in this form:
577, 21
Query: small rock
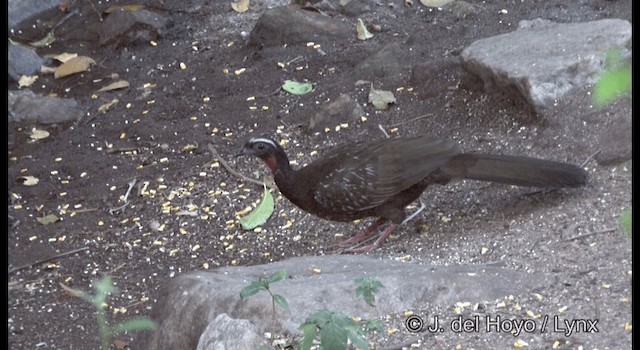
292, 25
226, 333
616, 142
124, 28
25, 106
343, 110
388, 62
23, 60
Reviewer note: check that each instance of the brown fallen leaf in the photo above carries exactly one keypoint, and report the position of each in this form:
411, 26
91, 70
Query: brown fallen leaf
48, 219
29, 180
107, 106
120, 84
74, 65
362, 32
240, 6
435, 3
26, 80
64, 57
37, 134
124, 8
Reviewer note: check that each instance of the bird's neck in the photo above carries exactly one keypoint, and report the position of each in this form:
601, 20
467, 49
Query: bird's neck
281, 169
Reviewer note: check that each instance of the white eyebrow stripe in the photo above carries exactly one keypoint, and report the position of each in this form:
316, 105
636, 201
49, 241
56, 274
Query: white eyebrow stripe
262, 139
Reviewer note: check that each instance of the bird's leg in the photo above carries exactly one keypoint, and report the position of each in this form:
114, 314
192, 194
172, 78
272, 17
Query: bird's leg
362, 235
378, 242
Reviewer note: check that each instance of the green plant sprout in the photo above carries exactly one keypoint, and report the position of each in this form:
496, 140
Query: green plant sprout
263, 284
367, 287
334, 330
103, 288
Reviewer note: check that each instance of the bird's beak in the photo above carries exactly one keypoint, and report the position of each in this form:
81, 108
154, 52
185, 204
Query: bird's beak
243, 151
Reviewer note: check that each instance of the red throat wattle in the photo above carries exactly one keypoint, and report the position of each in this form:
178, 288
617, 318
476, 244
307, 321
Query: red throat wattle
271, 162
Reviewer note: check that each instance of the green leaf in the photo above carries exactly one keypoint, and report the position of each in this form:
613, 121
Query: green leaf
136, 324
625, 221
253, 288
280, 300
373, 326
333, 335
278, 276
261, 214
293, 87
612, 85
310, 332
367, 286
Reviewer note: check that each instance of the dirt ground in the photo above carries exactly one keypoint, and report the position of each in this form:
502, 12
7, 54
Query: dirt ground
181, 212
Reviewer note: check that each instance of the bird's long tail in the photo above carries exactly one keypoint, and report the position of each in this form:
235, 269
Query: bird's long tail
514, 170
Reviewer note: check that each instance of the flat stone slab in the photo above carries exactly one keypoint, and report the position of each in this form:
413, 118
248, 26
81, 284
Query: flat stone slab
542, 61
192, 301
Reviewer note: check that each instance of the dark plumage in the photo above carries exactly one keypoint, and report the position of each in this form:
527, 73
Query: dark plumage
380, 178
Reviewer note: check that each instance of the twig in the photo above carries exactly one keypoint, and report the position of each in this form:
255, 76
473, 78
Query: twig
411, 120
589, 158
403, 344
126, 196
121, 149
47, 259
383, 131
606, 230
234, 172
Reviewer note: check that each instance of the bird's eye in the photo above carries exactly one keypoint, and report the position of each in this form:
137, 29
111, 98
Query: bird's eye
260, 146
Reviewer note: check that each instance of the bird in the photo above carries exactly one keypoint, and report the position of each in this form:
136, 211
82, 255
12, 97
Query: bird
380, 178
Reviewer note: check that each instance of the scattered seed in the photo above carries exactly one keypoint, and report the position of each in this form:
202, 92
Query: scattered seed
153, 43
183, 66
240, 71
563, 309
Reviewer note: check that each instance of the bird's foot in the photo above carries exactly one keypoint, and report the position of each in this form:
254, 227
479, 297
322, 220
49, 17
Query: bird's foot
378, 242
362, 235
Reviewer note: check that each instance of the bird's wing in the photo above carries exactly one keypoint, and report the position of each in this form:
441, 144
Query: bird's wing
371, 173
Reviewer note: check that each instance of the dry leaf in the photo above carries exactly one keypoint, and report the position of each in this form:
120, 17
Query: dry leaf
74, 65
46, 41
47, 70
381, 99
240, 6
124, 8
65, 56
189, 148
29, 180
435, 3
107, 106
120, 84
361, 29
46, 220
38, 134
26, 80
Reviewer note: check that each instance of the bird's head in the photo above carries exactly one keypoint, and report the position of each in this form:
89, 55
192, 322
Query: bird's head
267, 150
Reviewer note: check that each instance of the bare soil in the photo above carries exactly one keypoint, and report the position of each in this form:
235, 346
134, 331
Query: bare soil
181, 213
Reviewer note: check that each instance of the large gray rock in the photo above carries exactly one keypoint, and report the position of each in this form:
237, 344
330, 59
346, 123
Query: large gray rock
192, 301
543, 61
